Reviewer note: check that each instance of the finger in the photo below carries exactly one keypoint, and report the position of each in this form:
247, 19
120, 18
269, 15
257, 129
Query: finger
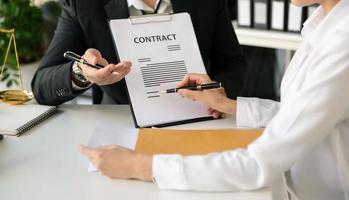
109, 147
90, 73
103, 62
92, 56
210, 111
216, 114
88, 151
119, 72
184, 82
193, 79
100, 75
103, 76
122, 68
190, 79
222, 90
106, 73
193, 95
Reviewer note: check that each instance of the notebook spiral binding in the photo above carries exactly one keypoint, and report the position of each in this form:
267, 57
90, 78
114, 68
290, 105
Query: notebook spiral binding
27, 126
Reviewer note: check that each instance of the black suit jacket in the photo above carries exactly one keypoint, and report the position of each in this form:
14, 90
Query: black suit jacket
83, 24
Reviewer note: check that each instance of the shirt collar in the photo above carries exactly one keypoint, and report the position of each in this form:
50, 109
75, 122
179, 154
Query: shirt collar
140, 5
312, 22
319, 23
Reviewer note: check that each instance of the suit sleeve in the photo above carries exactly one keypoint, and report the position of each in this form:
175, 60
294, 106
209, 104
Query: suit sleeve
227, 62
52, 84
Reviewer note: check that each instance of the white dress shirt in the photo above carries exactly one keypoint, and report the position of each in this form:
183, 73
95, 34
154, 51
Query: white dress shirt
135, 7
306, 135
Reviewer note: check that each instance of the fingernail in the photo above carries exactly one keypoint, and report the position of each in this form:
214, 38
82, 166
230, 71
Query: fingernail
180, 93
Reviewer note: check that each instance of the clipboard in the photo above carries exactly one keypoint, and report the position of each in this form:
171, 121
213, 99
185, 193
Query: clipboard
162, 48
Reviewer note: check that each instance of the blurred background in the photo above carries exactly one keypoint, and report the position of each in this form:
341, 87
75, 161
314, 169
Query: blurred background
34, 23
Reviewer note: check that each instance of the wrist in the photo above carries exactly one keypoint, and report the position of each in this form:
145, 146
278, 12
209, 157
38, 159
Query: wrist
143, 165
230, 106
77, 76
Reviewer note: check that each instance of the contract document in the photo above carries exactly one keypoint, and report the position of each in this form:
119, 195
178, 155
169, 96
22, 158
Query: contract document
162, 49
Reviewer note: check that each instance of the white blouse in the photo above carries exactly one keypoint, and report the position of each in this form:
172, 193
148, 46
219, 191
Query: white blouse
306, 135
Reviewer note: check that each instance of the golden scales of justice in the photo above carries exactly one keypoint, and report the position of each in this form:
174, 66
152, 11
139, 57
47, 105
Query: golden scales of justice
13, 97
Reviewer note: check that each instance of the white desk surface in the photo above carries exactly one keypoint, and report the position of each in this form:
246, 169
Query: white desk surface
45, 163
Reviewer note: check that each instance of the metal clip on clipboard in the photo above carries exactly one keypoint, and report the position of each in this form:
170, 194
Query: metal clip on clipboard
144, 19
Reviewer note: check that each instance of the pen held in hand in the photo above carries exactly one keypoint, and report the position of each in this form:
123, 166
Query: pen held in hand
207, 86
75, 57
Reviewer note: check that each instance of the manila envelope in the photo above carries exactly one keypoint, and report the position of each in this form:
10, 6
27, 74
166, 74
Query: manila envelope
193, 142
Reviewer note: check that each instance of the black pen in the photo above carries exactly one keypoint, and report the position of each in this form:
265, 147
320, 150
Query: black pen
207, 86
75, 57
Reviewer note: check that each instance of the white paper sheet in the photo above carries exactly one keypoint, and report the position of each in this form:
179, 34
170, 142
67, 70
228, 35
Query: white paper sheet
112, 134
162, 49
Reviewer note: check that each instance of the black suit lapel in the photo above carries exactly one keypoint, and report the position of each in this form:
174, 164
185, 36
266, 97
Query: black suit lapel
117, 9
182, 5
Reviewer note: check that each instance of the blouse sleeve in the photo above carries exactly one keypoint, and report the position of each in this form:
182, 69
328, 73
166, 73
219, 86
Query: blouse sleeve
254, 112
307, 116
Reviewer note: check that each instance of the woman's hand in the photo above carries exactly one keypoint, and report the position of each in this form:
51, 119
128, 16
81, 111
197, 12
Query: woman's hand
121, 163
215, 99
105, 75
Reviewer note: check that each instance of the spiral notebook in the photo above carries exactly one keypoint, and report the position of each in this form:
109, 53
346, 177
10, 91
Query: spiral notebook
16, 120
